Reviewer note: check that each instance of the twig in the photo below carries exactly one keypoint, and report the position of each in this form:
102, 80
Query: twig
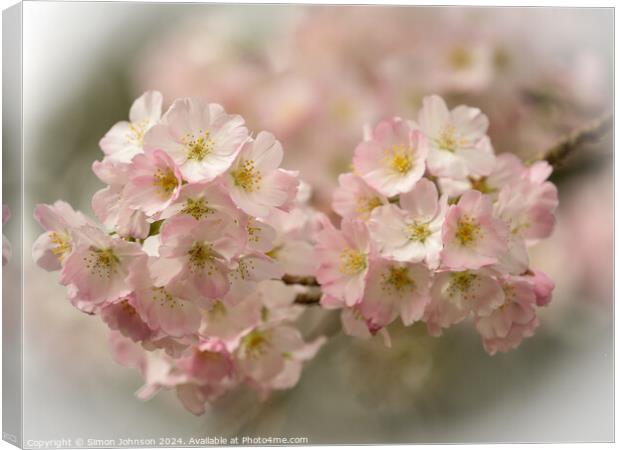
301, 280
590, 134
308, 298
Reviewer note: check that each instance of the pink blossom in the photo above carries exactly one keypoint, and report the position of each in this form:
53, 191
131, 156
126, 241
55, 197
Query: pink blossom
412, 232
59, 220
198, 252
154, 183
354, 199
393, 159
260, 235
159, 371
472, 236
200, 137
200, 201
194, 396
543, 287
342, 257
126, 139
278, 302
123, 317
158, 306
455, 295
395, 289
227, 321
457, 140
207, 363
508, 168
99, 265
528, 205
109, 204
248, 270
292, 246
517, 310
513, 339
255, 182
270, 357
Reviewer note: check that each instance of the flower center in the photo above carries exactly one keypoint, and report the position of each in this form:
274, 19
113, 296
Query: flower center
509, 295
418, 231
274, 252
365, 205
165, 181
198, 148
397, 278
127, 308
136, 132
255, 343
352, 261
102, 262
253, 231
398, 158
199, 255
164, 298
217, 310
246, 176
461, 283
461, 58
62, 244
481, 185
467, 231
197, 208
342, 110
448, 139
242, 271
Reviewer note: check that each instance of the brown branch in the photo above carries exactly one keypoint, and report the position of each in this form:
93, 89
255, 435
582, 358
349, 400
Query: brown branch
300, 280
308, 298
590, 134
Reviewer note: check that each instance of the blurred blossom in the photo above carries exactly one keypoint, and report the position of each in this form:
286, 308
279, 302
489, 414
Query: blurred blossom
318, 75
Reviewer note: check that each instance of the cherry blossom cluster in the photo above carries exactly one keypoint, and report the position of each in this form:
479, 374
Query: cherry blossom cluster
199, 225
436, 228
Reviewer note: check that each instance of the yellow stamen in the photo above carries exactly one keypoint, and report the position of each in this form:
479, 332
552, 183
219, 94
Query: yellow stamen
165, 181
397, 279
462, 283
253, 232
481, 185
199, 147
136, 132
247, 177
62, 244
102, 262
418, 231
352, 261
467, 231
197, 208
217, 310
254, 344
199, 255
399, 159
365, 205
164, 298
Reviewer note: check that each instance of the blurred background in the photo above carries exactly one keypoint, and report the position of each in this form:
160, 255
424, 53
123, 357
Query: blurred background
314, 75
